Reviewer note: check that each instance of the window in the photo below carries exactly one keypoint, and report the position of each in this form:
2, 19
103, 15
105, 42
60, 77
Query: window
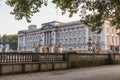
58, 35
66, 41
61, 34
75, 33
113, 40
74, 41
70, 34
61, 41
99, 38
80, 32
65, 35
107, 29
112, 30
116, 40
84, 32
80, 40
108, 39
84, 40
70, 41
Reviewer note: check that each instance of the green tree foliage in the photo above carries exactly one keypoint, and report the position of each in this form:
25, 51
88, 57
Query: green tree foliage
92, 12
12, 40
25, 8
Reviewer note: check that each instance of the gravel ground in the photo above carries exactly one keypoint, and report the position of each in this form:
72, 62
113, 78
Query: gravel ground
110, 72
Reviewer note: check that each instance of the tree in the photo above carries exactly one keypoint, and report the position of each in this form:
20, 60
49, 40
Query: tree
12, 40
25, 8
92, 12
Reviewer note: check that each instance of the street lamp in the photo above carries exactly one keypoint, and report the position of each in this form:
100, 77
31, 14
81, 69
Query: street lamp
98, 47
119, 42
91, 46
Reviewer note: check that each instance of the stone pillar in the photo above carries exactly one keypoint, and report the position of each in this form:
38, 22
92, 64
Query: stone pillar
60, 49
40, 49
52, 49
33, 49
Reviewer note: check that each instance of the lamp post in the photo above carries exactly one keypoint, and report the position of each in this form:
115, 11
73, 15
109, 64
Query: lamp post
119, 42
91, 46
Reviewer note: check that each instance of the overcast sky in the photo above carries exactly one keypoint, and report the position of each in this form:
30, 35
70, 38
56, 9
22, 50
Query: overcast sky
8, 24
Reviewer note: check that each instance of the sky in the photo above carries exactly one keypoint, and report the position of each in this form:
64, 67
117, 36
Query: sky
8, 24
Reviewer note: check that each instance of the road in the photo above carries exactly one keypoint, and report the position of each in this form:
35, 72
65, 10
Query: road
108, 72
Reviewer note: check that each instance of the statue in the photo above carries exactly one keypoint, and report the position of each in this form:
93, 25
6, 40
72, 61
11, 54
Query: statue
7, 48
52, 45
1, 48
52, 36
40, 47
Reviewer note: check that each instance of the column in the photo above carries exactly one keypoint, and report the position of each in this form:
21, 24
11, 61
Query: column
50, 38
119, 42
47, 38
44, 39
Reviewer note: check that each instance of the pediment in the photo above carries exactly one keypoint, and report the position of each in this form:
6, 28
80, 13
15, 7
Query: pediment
48, 26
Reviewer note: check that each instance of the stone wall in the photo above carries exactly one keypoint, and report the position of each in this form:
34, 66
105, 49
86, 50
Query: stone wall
15, 68
69, 60
84, 60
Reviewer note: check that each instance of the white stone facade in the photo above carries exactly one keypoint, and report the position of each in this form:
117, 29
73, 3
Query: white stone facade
73, 36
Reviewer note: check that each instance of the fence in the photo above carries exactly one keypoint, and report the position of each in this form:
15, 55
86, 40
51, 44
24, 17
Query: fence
11, 63
30, 57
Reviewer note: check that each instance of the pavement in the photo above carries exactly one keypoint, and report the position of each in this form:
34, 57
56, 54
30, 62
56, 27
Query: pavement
107, 72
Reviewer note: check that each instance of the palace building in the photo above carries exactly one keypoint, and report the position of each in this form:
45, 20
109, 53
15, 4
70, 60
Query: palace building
72, 36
